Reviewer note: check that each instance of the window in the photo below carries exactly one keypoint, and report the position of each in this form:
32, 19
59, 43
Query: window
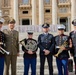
63, 10
62, 1
47, 10
25, 1
25, 12
47, 1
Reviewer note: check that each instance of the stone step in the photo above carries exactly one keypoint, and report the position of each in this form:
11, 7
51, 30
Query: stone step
20, 66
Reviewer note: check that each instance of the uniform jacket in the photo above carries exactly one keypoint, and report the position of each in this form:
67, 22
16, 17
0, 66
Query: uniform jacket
26, 55
73, 37
46, 42
2, 39
58, 42
12, 41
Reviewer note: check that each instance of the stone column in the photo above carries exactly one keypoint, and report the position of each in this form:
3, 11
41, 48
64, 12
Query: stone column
58, 20
54, 12
20, 21
0, 13
41, 12
73, 12
69, 21
0, 4
31, 22
0, 8
34, 18
16, 12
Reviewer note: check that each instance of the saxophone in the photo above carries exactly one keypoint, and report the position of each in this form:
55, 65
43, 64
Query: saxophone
60, 48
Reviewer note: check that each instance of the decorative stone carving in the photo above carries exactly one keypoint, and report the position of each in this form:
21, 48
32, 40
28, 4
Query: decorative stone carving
5, 3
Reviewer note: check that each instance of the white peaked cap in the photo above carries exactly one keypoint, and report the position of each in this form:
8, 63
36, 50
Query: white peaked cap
61, 26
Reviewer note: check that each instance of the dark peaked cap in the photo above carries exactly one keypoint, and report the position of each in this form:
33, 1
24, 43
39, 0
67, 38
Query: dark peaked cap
74, 22
45, 25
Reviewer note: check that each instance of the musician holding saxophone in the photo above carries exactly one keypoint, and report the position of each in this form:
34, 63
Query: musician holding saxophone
2, 42
29, 46
62, 46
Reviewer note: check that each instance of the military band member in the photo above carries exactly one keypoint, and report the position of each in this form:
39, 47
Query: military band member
62, 58
46, 45
73, 37
29, 56
12, 45
2, 42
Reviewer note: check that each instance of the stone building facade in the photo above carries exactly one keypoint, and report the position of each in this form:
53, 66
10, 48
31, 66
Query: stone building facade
37, 12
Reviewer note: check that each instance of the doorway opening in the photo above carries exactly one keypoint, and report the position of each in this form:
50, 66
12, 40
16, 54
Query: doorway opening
25, 22
64, 21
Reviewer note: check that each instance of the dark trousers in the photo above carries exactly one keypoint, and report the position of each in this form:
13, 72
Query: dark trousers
27, 63
1, 65
75, 64
42, 62
62, 64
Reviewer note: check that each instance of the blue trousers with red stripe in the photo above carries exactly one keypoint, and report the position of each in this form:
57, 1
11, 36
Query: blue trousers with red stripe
62, 65
30, 62
1, 65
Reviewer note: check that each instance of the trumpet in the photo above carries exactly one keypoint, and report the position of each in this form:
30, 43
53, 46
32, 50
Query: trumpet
3, 51
60, 50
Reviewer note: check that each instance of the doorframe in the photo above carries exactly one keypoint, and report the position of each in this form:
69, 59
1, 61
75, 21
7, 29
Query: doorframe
66, 24
30, 20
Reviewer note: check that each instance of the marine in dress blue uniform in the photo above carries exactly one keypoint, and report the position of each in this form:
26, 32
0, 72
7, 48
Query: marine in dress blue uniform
46, 46
73, 37
2, 42
62, 58
29, 57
